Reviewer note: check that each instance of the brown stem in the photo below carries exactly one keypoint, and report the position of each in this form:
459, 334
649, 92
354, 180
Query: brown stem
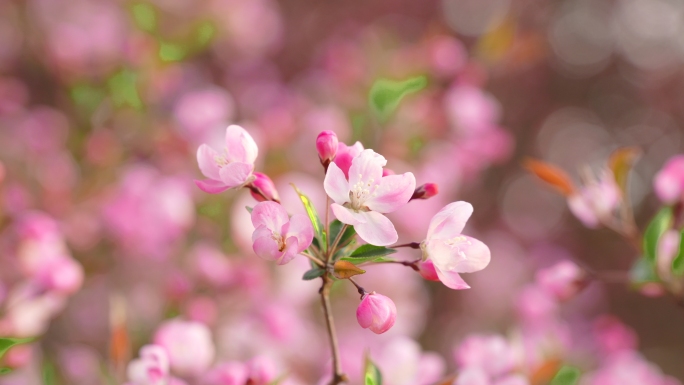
315, 260
360, 289
338, 376
412, 245
331, 251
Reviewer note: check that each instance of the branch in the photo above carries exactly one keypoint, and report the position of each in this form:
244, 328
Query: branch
338, 376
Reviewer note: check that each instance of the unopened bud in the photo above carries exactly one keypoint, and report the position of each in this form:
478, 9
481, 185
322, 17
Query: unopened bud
426, 191
263, 189
376, 312
326, 145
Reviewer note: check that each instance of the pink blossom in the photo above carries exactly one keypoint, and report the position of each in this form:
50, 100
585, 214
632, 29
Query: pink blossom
612, 336
367, 195
152, 368
188, 344
472, 376
451, 252
345, 155
262, 371
277, 237
63, 275
596, 200
628, 368
513, 379
266, 188
226, 373
231, 169
490, 353
669, 182
326, 145
402, 362
563, 280
203, 110
376, 312
425, 191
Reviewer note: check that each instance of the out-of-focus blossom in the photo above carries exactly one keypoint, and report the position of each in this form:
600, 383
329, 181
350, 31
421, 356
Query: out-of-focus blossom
231, 169
376, 312
402, 362
277, 237
188, 344
201, 111
451, 252
471, 110
472, 376
345, 155
326, 145
262, 370
628, 368
613, 336
361, 201
669, 182
152, 368
596, 200
564, 279
266, 188
447, 55
491, 354
226, 373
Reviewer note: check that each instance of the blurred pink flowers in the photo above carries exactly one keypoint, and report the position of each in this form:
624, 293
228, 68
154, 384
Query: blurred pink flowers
361, 201
376, 312
669, 182
152, 368
596, 200
276, 236
188, 345
231, 169
449, 251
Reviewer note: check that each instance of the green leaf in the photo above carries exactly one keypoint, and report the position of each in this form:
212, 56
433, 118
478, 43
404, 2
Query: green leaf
567, 375
124, 90
313, 216
313, 274
205, 32
5, 370
678, 261
335, 227
368, 252
385, 94
372, 375
642, 272
7, 343
145, 16
659, 224
170, 52
249, 209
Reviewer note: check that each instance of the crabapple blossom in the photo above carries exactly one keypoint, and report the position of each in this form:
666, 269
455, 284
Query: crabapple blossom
669, 182
563, 280
152, 368
276, 236
263, 188
425, 191
226, 373
490, 353
376, 312
326, 145
345, 155
450, 251
188, 345
362, 200
596, 200
233, 167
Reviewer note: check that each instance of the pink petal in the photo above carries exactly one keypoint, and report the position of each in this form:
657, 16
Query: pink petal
368, 165
345, 155
269, 214
450, 220
452, 280
206, 159
582, 209
392, 192
377, 229
460, 255
240, 145
211, 186
346, 215
336, 185
236, 174
300, 227
267, 248
290, 251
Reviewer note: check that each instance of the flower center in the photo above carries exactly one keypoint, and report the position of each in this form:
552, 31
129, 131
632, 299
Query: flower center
456, 243
279, 240
360, 192
222, 160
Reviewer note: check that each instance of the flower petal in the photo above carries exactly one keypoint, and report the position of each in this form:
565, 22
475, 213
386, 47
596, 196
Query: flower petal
336, 185
236, 174
290, 251
211, 186
346, 215
461, 254
240, 145
377, 229
267, 248
392, 192
366, 166
206, 159
452, 280
270, 215
450, 220
301, 228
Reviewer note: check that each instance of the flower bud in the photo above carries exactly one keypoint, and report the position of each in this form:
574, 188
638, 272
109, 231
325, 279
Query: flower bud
376, 312
426, 269
426, 191
263, 189
669, 182
326, 145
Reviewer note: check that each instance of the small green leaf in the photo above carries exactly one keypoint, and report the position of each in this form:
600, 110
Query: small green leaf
678, 261
249, 209
205, 32
124, 90
145, 16
7, 343
313, 274
5, 370
659, 224
313, 216
335, 227
372, 374
369, 251
567, 375
385, 94
642, 272
170, 52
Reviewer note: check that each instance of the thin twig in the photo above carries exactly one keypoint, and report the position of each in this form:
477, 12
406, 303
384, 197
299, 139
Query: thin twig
338, 376
315, 260
360, 289
337, 240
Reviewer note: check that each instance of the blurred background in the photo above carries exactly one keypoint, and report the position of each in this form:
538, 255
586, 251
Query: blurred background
103, 104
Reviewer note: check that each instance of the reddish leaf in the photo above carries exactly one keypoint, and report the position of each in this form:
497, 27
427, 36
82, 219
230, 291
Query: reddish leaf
552, 175
621, 162
346, 269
